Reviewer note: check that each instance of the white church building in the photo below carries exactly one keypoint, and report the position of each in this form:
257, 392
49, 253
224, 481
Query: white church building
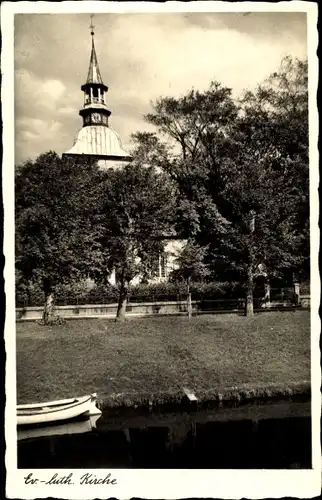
97, 141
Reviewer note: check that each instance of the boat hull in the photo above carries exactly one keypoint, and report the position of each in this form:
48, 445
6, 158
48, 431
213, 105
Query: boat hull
56, 411
63, 428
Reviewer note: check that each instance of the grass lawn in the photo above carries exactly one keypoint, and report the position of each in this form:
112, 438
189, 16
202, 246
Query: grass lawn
156, 357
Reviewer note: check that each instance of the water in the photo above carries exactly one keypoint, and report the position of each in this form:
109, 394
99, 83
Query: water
265, 436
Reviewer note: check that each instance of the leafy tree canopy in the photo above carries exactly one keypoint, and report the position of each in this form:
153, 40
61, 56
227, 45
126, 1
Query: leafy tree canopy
136, 216
55, 205
242, 170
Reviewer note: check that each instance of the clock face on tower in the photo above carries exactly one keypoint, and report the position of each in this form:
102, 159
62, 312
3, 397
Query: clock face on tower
96, 118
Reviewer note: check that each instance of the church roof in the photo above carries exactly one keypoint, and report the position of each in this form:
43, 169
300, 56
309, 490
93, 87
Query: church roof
94, 75
97, 140
101, 141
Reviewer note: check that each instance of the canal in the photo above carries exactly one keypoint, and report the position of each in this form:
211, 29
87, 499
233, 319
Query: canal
274, 435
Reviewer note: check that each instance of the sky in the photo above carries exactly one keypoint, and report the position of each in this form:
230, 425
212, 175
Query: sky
141, 57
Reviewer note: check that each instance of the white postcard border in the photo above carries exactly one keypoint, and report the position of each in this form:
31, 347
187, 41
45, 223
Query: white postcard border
156, 483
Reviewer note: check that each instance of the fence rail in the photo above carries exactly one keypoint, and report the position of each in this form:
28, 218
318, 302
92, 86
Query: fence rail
205, 301
153, 308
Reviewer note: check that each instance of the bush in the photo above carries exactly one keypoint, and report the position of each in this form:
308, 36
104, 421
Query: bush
156, 292
101, 294
71, 293
216, 290
85, 293
28, 294
178, 291
80, 293
305, 288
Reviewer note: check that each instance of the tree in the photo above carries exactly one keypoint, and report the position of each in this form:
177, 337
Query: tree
262, 232
198, 128
242, 169
191, 267
136, 215
55, 207
285, 96
269, 181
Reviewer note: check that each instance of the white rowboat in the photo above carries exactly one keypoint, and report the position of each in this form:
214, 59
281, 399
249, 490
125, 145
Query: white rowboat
62, 428
55, 411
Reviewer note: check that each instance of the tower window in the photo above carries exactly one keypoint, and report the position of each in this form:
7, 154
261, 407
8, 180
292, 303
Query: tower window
155, 268
159, 266
96, 118
163, 265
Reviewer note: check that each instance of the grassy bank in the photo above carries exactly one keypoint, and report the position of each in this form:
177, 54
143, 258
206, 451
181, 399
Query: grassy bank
154, 358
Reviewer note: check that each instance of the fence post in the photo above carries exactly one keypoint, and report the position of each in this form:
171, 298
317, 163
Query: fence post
296, 286
189, 306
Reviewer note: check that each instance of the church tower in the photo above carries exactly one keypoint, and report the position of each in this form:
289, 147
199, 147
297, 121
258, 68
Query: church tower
96, 140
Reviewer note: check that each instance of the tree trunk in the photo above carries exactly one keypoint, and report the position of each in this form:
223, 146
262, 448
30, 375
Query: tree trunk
250, 269
48, 316
189, 305
249, 292
267, 298
121, 308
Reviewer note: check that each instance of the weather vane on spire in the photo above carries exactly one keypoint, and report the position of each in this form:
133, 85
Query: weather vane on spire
91, 25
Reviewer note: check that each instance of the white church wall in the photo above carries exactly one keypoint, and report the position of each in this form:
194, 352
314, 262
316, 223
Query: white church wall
167, 261
114, 164
166, 264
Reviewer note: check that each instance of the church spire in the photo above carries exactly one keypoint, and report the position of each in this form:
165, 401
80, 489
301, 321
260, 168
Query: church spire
94, 110
94, 75
96, 139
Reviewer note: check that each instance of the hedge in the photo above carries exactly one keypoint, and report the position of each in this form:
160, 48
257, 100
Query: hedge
83, 293
98, 294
